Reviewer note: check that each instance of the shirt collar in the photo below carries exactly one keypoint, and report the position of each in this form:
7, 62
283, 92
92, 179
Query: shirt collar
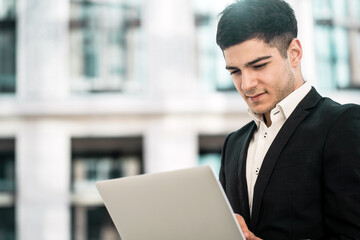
285, 106
256, 117
289, 103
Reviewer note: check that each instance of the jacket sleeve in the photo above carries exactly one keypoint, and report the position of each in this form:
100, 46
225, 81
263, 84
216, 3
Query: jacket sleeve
222, 166
341, 176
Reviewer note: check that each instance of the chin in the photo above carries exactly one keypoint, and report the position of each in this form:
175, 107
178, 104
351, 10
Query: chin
261, 110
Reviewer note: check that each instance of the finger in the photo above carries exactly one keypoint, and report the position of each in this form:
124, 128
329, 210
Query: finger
253, 237
243, 226
247, 233
241, 222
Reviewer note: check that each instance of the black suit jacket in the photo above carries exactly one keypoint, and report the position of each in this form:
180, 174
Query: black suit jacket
309, 182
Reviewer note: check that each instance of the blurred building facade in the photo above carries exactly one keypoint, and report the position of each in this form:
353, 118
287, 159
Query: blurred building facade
99, 89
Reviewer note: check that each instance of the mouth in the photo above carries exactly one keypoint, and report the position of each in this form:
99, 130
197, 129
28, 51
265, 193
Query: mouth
255, 97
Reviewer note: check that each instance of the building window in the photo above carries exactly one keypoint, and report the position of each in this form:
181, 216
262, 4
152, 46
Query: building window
7, 189
210, 147
92, 223
95, 159
105, 45
7, 46
7, 223
210, 61
337, 43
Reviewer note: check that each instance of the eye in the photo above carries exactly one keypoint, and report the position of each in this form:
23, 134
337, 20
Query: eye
235, 72
260, 66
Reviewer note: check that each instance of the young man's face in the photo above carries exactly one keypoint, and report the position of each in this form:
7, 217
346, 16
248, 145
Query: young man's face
260, 74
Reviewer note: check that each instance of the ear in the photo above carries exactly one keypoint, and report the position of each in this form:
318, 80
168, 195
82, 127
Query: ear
295, 52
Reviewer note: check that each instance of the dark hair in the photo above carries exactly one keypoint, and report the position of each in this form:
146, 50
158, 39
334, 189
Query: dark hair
273, 21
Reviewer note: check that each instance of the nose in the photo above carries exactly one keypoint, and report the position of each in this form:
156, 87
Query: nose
248, 81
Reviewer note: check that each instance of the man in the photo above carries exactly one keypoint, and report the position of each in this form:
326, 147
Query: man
294, 171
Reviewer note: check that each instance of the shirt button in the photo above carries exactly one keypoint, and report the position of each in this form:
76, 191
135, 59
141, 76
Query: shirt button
265, 135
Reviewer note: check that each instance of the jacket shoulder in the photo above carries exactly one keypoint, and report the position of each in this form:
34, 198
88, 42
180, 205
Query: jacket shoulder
334, 109
241, 132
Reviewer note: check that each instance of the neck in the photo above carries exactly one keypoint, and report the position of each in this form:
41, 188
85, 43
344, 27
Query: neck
267, 119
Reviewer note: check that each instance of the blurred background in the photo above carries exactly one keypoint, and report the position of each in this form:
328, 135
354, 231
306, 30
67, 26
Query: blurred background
99, 89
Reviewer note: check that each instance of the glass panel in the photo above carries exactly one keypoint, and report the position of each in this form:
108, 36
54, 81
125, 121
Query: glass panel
356, 62
322, 9
95, 159
323, 57
93, 223
354, 9
7, 223
7, 189
7, 46
7, 172
339, 8
210, 147
89, 169
211, 64
7, 165
104, 44
206, 51
342, 67
336, 43
211, 159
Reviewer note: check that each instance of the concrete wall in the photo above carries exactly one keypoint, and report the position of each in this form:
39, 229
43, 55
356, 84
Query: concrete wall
170, 113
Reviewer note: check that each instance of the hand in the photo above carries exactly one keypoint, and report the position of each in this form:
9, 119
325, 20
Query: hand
248, 235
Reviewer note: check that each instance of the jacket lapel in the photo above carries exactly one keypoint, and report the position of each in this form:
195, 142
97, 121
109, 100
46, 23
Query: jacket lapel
242, 183
271, 157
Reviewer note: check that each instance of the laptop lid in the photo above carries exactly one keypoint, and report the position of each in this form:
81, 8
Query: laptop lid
178, 205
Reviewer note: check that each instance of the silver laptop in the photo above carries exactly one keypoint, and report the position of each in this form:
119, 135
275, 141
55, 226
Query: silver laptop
187, 204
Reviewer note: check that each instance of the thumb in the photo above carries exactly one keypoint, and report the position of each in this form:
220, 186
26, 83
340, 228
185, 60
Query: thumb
243, 225
247, 233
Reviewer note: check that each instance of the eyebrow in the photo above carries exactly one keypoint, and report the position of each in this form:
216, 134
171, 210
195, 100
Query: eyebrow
250, 63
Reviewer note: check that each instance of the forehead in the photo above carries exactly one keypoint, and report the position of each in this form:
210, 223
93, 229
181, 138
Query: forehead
245, 52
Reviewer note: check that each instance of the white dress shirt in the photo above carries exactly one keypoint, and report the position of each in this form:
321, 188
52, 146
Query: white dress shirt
264, 136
